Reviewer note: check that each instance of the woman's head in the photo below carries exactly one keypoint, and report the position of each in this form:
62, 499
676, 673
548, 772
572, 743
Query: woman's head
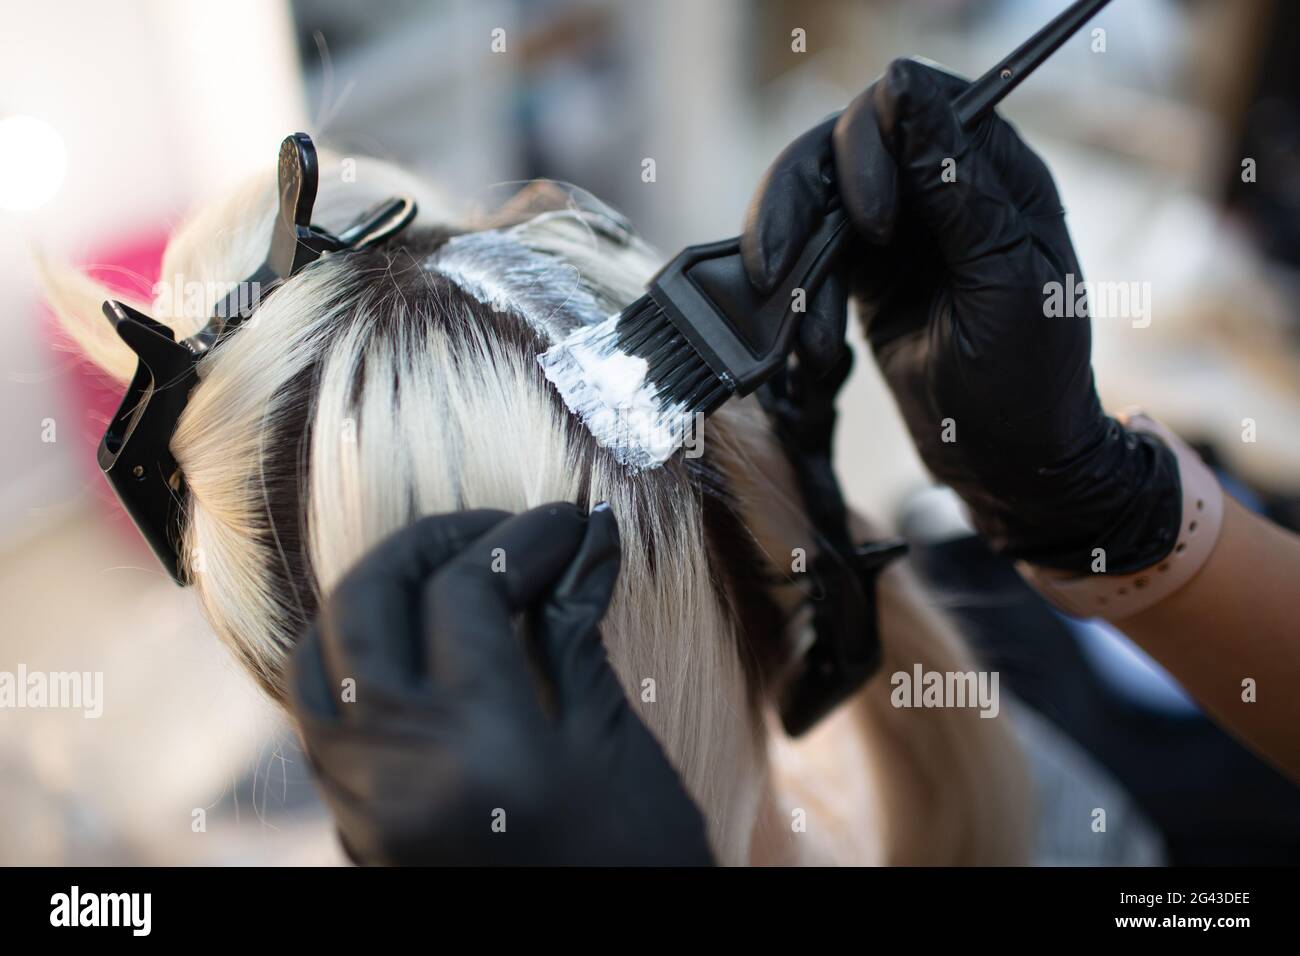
382, 385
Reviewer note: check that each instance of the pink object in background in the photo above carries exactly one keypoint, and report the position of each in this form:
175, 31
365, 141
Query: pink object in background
131, 269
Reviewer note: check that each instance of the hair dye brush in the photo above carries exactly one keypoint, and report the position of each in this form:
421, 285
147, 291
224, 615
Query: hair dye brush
702, 334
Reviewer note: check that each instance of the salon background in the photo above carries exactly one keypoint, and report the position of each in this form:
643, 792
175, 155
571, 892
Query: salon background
117, 117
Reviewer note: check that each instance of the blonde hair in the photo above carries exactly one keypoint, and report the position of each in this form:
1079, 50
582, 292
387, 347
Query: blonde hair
380, 386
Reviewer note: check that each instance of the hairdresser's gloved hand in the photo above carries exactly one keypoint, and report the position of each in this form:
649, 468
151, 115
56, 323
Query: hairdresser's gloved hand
439, 738
951, 275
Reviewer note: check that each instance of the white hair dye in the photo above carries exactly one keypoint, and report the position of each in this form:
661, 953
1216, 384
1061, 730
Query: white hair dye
609, 392
499, 271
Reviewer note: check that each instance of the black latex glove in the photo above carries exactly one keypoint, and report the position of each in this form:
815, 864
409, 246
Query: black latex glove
450, 724
950, 279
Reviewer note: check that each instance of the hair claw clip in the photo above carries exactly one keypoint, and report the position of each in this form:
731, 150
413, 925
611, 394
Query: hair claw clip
135, 453
845, 650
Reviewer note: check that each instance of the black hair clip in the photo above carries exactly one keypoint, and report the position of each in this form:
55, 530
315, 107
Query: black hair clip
846, 629
135, 452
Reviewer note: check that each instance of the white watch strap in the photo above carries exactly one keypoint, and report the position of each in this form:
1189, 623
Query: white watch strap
1114, 597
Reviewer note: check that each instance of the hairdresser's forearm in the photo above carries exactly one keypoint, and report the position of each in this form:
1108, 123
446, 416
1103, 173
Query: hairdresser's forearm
1236, 621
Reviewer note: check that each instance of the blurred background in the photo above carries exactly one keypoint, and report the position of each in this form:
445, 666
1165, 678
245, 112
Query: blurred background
116, 118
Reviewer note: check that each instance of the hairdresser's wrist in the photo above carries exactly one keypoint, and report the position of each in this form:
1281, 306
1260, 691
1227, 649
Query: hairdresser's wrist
1107, 503
1116, 593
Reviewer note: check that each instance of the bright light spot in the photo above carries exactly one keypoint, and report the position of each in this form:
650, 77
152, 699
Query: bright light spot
33, 160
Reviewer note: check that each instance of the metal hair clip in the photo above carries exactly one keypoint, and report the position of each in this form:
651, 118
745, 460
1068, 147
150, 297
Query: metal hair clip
846, 631
134, 453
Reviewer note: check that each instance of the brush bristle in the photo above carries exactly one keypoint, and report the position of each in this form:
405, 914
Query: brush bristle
635, 382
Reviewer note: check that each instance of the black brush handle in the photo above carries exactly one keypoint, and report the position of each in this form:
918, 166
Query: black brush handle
758, 332
747, 336
987, 92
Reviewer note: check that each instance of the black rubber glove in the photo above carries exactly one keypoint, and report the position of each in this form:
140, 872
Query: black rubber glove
950, 278
451, 750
